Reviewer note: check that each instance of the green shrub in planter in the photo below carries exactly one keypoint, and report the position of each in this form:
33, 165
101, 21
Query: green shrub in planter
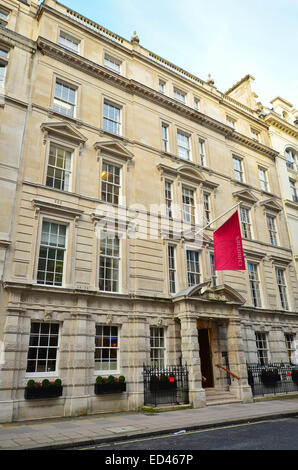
109, 384
46, 389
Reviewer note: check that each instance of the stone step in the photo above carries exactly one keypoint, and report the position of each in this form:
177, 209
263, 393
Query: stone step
220, 397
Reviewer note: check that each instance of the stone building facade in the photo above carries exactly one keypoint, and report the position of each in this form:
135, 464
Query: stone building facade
112, 158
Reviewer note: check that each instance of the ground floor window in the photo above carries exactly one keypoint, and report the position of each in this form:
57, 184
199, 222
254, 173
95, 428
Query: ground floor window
290, 345
106, 348
157, 347
43, 347
262, 348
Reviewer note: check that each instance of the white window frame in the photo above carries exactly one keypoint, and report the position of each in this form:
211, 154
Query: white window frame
246, 224
115, 122
293, 190
4, 56
172, 268
111, 184
272, 229
254, 284
49, 373
290, 155
280, 274
255, 135
69, 171
45, 219
190, 263
112, 63
202, 149
213, 275
110, 236
231, 122
238, 171
165, 144
192, 211
207, 207
161, 86
72, 105
185, 148
197, 104
155, 345
263, 178
117, 348
179, 95
168, 191
4, 15
63, 35
263, 352
291, 347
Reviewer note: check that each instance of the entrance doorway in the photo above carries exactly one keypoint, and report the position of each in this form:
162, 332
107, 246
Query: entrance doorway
205, 356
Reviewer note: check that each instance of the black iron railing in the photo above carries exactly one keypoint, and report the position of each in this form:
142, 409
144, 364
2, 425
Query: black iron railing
166, 385
273, 378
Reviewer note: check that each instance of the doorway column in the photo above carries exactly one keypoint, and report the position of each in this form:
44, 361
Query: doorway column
237, 363
191, 356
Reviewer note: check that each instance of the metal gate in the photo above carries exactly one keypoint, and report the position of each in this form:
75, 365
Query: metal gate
166, 385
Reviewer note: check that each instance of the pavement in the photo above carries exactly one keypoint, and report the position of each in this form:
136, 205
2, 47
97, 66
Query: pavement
65, 433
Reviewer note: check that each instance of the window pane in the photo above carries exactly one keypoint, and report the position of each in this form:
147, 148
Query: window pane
51, 255
106, 348
42, 357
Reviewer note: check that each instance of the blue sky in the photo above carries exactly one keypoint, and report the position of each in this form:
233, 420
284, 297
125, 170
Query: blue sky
226, 38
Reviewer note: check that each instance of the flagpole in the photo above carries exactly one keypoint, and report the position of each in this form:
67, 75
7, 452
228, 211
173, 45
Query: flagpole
210, 223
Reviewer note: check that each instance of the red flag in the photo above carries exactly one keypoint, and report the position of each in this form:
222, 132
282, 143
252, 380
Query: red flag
228, 250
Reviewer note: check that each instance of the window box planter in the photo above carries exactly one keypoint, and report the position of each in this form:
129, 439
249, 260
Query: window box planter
106, 385
269, 378
295, 376
46, 389
162, 383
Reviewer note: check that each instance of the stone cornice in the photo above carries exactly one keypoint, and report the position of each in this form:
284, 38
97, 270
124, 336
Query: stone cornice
274, 120
131, 86
290, 203
149, 57
12, 39
46, 206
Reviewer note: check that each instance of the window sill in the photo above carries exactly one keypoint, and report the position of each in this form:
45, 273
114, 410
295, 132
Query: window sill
41, 375
74, 120
111, 134
106, 372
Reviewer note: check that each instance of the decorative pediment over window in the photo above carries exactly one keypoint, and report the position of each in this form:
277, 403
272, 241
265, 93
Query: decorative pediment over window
246, 195
272, 205
113, 148
184, 172
190, 174
205, 292
64, 130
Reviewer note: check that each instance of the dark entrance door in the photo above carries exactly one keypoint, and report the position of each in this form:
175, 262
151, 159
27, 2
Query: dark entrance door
205, 356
